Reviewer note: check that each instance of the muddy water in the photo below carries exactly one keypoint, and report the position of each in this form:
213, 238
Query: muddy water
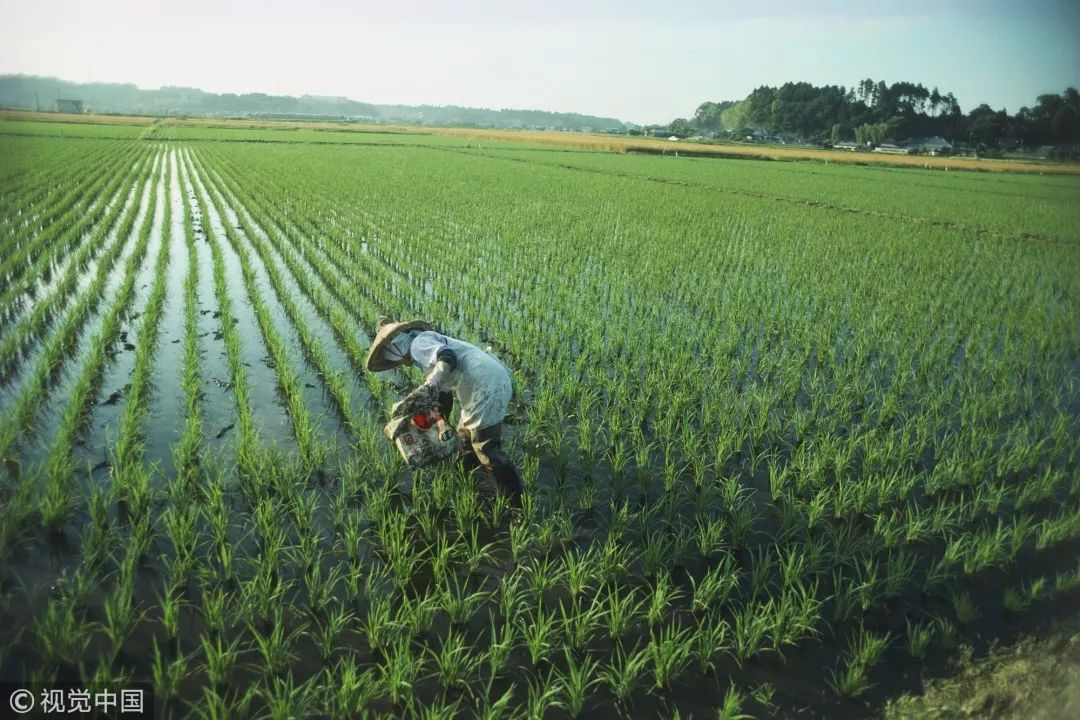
9, 393
103, 426
267, 407
313, 321
165, 423
218, 402
50, 416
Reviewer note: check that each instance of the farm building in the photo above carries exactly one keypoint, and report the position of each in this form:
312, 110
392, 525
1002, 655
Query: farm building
846, 145
892, 149
929, 146
69, 106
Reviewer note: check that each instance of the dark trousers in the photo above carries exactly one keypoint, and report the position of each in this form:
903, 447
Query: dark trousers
483, 449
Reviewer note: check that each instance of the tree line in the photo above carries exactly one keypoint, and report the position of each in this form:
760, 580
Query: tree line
876, 111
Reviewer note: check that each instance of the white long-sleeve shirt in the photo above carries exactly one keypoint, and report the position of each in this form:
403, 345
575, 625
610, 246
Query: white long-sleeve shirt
480, 383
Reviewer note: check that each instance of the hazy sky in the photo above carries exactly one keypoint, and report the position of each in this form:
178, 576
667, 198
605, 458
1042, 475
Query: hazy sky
638, 61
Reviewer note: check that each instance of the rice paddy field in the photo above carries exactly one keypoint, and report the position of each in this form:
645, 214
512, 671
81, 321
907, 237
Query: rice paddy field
792, 434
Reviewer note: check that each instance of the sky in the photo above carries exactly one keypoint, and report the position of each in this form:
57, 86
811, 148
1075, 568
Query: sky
644, 62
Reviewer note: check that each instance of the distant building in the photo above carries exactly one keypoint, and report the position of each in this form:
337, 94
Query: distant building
69, 106
845, 145
892, 149
928, 146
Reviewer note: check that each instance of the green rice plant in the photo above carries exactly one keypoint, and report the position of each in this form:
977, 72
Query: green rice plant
964, 606
710, 537
762, 564
581, 571
1019, 600
919, 637
710, 639
379, 625
575, 684
61, 635
275, 648
329, 630
899, 570
284, 698
170, 605
477, 554
399, 671
497, 709
219, 659
613, 560
1066, 581
539, 634
543, 576
623, 610
715, 586
544, 694
670, 651
865, 648
503, 640
851, 681
664, 594
348, 690
458, 602
580, 623
624, 675
322, 592
656, 552
868, 588
750, 627
214, 705
946, 634
167, 675
120, 612
731, 708
455, 662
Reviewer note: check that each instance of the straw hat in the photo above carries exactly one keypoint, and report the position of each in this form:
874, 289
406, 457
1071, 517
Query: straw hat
385, 332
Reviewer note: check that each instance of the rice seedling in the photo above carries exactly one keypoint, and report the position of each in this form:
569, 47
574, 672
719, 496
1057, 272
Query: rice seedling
400, 669
539, 632
964, 607
348, 690
670, 651
455, 662
543, 695
731, 708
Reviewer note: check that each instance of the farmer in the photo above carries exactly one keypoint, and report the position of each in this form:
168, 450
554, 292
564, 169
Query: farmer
454, 368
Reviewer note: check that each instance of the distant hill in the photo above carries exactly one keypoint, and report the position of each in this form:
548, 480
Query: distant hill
30, 92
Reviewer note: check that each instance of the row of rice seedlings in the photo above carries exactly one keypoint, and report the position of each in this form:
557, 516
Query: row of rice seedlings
334, 380
248, 445
310, 282
365, 297
48, 258
32, 171
188, 449
342, 299
312, 449
57, 503
130, 475
37, 208
28, 242
60, 343
34, 326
